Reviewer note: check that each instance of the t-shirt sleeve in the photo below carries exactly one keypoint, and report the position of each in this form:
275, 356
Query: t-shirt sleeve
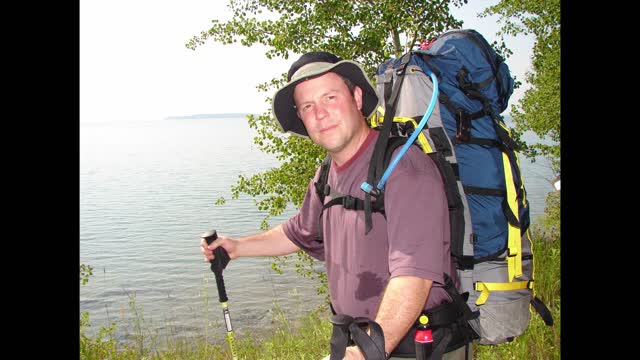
417, 218
302, 228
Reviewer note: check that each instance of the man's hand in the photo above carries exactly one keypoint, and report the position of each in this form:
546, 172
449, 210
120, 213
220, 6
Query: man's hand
227, 243
352, 353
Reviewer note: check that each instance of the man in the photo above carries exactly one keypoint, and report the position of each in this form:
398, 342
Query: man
397, 269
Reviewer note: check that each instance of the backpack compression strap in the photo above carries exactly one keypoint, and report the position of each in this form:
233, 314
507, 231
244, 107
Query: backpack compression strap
494, 63
377, 158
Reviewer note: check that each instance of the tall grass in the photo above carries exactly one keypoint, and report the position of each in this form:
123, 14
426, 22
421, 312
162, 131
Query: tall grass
304, 338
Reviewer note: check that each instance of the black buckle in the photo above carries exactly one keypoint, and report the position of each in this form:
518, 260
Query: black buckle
349, 202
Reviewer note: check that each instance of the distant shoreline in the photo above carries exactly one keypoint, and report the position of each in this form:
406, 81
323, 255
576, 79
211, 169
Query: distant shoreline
207, 116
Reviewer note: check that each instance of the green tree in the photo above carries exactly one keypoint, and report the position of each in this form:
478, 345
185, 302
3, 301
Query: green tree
364, 30
539, 109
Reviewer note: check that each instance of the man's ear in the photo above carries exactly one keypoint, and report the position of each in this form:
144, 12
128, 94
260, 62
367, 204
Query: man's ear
357, 96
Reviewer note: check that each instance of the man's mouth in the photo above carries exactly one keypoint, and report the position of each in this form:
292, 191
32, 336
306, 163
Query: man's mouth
328, 128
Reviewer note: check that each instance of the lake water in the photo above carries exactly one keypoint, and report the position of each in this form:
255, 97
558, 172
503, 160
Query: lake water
147, 191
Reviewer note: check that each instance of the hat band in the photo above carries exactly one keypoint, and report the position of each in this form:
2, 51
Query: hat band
311, 69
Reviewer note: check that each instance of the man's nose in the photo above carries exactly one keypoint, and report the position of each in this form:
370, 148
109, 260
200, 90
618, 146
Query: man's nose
321, 111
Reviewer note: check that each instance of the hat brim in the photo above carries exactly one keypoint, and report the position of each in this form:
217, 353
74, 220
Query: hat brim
283, 105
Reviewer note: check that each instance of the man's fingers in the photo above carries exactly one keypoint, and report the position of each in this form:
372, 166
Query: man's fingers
206, 251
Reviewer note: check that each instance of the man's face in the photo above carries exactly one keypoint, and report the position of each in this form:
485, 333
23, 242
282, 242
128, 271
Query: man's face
330, 113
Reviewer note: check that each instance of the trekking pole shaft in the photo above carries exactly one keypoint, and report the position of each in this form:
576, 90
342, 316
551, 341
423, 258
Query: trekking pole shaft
230, 337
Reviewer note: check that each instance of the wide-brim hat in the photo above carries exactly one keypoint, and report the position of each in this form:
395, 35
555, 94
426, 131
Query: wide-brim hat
312, 65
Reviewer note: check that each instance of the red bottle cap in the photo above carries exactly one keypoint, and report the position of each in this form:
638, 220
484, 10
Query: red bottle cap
423, 335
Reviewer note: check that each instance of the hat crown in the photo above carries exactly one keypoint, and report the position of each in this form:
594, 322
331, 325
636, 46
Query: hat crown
311, 57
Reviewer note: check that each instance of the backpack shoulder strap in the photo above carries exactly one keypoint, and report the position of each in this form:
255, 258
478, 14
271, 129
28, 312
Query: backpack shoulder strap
375, 167
393, 143
322, 187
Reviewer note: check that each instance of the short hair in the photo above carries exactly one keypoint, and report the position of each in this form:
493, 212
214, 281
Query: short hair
350, 85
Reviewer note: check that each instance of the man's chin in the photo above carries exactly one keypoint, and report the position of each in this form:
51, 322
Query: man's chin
325, 140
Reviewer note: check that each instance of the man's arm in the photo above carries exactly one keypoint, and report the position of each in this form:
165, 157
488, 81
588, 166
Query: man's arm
273, 242
401, 304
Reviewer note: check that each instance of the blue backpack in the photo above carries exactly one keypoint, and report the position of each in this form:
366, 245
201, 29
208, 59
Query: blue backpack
447, 98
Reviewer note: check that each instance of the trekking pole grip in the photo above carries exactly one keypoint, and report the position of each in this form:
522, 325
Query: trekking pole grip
220, 261
222, 292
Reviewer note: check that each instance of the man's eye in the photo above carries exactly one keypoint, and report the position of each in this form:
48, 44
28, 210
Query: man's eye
306, 107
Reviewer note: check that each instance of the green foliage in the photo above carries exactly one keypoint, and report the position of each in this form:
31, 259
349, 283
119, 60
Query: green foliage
539, 108
141, 336
550, 221
102, 345
85, 272
368, 31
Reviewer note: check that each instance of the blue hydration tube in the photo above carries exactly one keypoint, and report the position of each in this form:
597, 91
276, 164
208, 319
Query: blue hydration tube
434, 97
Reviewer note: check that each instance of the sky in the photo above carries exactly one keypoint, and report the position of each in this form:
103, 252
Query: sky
134, 64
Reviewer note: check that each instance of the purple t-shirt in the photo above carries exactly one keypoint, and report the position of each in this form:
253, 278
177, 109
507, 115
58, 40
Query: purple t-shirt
414, 240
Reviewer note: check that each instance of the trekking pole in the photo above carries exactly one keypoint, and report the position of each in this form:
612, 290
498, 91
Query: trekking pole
217, 265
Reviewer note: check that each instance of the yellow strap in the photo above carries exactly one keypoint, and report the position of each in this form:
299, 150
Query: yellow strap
378, 118
514, 258
487, 288
517, 156
422, 140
